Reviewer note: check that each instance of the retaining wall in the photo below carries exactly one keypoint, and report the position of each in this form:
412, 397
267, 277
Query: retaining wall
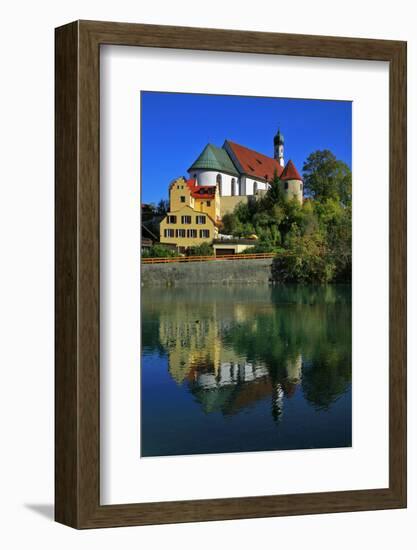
212, 272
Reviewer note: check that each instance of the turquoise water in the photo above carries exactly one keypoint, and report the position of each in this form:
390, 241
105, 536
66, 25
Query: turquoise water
233, 369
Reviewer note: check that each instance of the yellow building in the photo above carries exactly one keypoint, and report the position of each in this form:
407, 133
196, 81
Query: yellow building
227, 247
194, 214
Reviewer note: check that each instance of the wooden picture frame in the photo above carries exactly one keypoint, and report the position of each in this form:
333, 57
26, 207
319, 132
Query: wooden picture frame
77, 404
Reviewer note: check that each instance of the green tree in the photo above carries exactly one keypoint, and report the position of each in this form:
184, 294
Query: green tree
203, 249
232, 225
163, 207
327, 177
316, 235
275, 194
305, 260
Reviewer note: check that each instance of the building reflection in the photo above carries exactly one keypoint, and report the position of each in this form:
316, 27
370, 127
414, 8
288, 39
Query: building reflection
233, 387
232, 368
202, 355
233, 347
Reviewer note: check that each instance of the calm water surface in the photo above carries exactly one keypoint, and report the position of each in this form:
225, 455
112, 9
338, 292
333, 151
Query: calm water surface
229, 369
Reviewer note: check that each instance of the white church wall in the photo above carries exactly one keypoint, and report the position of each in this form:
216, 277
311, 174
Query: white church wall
227, 184
250, 186
243, 185
204, 177
209, 177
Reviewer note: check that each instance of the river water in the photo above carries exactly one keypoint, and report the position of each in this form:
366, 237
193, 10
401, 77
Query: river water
245, 368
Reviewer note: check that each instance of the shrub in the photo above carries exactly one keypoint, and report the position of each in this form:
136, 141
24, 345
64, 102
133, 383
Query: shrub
203, 249
306, 260
159, 251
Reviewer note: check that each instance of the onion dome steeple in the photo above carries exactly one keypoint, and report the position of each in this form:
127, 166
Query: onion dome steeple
279, 147
279, 138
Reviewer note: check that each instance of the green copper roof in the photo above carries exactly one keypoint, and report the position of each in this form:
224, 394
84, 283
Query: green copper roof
214, 158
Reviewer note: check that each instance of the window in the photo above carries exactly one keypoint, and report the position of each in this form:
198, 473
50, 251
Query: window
186, 219
204, 233
172, 219
182, 198
219, 183
168, 233
200, 220
255, 187
180, 233
233, 187
192, 233
286, 185
301, 186
208, 203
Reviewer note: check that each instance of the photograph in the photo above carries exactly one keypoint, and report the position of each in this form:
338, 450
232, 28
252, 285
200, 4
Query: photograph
209, 265
246, 273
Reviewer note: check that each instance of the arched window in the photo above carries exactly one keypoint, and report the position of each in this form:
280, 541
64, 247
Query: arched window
233, 187
255, 187
219, 183
301, 186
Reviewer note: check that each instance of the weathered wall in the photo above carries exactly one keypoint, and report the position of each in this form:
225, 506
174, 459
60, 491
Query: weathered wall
212, 272
294, 190
228, 204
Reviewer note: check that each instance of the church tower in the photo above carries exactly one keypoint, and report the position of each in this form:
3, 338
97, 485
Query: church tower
279, 148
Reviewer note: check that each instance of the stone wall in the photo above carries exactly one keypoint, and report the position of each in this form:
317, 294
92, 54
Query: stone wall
228, 204
211, 272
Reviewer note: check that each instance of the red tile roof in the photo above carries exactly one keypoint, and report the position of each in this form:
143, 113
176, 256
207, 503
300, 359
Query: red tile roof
290, 172
249, 393
255, 164
201, 191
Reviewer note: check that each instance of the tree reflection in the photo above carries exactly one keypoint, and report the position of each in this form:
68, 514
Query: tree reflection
233, 347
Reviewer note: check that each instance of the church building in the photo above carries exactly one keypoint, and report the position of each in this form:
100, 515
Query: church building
219, 179
239, 171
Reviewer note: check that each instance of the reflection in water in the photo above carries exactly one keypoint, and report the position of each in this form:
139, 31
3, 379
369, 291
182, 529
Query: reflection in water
236, 353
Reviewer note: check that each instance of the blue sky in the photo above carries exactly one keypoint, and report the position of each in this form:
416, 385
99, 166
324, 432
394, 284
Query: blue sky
176, 127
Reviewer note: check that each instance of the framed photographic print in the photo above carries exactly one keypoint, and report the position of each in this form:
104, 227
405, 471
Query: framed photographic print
230, 274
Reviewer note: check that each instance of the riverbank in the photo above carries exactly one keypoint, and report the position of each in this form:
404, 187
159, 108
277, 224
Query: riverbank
216, 272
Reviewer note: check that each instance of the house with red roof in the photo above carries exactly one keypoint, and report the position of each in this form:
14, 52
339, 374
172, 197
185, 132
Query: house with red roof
194, 214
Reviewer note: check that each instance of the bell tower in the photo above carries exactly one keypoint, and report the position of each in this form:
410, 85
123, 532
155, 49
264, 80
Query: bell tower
279, 148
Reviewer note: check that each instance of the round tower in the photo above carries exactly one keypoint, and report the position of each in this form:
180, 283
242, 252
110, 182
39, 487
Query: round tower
279, 148
292, 183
